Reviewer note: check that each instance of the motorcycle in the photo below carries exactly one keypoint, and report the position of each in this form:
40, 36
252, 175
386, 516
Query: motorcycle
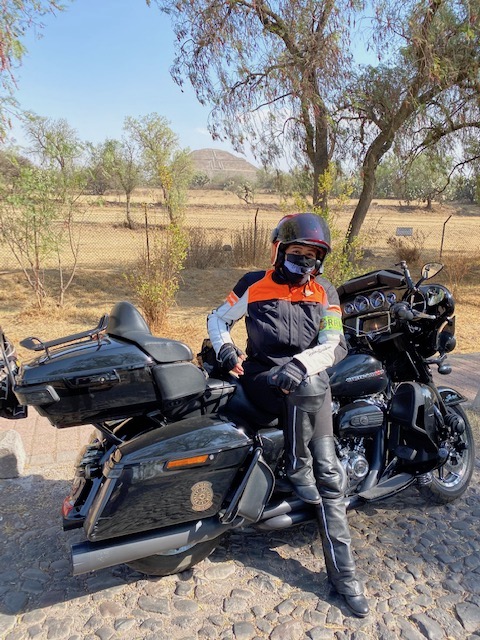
179, 456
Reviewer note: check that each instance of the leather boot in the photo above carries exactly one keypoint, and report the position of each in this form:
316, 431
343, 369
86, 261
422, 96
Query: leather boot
333, 525
299, 458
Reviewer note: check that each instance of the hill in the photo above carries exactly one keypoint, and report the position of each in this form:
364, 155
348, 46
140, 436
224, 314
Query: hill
214, 162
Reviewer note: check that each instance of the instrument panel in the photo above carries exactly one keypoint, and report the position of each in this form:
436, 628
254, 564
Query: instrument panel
375, 301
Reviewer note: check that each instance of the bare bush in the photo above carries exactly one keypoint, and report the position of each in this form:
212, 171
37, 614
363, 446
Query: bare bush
205, 250
251, 246
458, 268
409, 248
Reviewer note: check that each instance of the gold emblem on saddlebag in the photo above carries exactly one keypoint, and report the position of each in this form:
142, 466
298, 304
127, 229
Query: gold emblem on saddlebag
201, 496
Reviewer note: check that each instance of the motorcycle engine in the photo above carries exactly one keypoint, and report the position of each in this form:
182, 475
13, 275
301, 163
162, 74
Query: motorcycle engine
352, 456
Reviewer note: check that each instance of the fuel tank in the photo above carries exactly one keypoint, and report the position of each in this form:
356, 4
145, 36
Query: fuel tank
359, 374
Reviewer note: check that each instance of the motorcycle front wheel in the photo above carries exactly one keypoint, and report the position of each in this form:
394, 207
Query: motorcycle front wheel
176, 560
451, 480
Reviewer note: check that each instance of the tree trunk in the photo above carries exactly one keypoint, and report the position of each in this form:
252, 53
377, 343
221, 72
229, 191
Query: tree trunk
362, 207
375, 153
320, 159
130, 224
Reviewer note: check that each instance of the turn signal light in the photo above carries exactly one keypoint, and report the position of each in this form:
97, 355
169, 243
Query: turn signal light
187, 462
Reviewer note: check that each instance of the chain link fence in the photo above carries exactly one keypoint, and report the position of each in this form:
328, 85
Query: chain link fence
222, 230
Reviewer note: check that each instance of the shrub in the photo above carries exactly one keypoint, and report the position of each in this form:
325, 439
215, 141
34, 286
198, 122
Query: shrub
205, 251
409, 248
458, 268
251, 246
155, 277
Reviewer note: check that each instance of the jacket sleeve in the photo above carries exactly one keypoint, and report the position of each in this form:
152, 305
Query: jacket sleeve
222, 319
331, 347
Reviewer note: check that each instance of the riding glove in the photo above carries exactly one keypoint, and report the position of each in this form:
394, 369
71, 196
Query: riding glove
228, 356
288, 376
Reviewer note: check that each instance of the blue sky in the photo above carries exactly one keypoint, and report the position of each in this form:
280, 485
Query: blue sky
102, 60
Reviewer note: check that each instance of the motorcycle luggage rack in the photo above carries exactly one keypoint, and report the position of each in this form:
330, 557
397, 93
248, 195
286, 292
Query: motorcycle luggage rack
35, 344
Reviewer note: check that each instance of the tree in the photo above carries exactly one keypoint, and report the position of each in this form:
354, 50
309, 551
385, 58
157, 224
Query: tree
278, 73
122, 163
271, 71
40, 209
98, 179
166, 164
430, 93
16, 17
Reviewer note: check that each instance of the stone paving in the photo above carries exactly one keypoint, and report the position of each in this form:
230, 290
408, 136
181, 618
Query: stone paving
420, 564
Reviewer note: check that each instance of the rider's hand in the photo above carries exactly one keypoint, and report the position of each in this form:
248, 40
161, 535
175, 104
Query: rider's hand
288, 377
230, 358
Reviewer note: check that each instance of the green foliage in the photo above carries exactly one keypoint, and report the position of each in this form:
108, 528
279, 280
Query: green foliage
243, 189
343, 262
165, 164
155, 278
39, 207
199, 180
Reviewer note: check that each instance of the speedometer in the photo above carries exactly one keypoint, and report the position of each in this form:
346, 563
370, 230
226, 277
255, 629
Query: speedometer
377, 299
361, 304
391, 297
348, 309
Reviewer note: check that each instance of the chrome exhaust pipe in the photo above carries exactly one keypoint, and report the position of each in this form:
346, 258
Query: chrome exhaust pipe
91, 556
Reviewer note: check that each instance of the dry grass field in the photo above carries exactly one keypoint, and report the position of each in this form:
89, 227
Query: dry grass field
108, 249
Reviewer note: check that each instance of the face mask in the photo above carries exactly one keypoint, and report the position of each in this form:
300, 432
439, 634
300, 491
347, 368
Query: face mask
297, 269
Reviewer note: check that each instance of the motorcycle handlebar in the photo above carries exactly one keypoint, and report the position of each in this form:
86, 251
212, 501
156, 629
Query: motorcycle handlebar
403, 311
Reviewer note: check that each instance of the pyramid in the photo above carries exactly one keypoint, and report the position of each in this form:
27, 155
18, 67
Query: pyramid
215, 162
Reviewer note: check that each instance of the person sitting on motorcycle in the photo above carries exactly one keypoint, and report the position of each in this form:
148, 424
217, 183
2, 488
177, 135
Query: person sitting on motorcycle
294, 333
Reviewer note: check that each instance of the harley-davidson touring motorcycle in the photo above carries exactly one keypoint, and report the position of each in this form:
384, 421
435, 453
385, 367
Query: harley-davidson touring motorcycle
179, 456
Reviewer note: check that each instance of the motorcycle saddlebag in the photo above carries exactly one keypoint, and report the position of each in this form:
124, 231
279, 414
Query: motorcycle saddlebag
89, 382
177, 473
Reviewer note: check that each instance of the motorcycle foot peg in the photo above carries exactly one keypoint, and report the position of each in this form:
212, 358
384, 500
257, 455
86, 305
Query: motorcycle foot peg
405, 453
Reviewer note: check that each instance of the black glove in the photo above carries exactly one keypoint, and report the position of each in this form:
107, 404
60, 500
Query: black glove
228, 356
287, 377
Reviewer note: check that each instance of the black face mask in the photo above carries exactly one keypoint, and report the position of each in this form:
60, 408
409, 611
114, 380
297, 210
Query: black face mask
297, 268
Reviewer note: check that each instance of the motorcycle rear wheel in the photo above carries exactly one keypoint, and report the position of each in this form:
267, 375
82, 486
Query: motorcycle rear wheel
451, 480
175, 561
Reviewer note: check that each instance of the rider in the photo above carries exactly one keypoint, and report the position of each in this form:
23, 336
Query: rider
294, 330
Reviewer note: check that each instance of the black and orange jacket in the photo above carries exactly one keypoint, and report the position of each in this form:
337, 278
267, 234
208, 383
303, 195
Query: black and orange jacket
283, 321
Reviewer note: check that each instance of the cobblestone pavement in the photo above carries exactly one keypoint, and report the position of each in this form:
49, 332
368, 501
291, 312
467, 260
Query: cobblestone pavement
420, 564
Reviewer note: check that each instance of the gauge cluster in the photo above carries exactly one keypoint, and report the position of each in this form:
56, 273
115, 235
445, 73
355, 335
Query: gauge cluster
375, 301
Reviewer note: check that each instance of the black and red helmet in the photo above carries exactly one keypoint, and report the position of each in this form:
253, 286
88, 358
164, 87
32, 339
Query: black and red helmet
308, 229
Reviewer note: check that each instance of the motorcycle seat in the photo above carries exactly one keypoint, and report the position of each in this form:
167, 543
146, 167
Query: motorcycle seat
240, 407
126, 323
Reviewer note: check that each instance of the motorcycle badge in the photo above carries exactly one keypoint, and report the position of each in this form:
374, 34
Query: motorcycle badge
201, 496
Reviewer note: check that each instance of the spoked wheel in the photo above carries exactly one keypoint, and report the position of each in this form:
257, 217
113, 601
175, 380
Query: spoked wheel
451, 480
176, 560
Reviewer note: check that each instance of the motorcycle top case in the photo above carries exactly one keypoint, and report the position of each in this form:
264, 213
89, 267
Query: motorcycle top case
88, 383
106, 379
177, 473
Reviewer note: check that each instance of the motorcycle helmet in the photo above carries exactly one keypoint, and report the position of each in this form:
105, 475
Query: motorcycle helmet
306, 229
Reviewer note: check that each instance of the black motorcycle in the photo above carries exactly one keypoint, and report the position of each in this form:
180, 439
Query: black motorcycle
180, 457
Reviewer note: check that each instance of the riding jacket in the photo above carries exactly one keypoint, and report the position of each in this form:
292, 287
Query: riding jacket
283, 321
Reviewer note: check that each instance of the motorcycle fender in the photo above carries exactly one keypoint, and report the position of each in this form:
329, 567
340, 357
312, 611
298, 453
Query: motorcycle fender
450, 396
178, 473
